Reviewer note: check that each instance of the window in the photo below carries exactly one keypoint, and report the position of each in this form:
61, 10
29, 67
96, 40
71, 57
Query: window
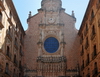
86, 27
9, 29
21, 37
82, 67
83, 74
7, 68
82, 52
14, 73
20, 75
16, 26
83, 63
7, 65
92, 14
8, 49
14, 58
0, 35
93, 33
51, 44
16, 41
87, 44
95, 52
2, 0
19, 64
95, 71
88, 60
87, 40
93, 30
86, 30
95, 65
20, 49
99, 22
99, 1
81, 39
0, 17
10, 14
21, 53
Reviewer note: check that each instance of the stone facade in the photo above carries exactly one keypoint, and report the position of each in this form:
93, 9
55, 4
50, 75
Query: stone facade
31, 53
51, 21
11, 41
90, 41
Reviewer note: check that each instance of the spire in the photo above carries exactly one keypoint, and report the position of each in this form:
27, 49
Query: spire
73, 15
29, 14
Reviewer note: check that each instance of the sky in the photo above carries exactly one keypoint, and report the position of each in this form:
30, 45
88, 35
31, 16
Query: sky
24, 6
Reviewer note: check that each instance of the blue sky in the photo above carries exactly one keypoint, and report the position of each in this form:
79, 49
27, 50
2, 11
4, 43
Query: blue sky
24, 6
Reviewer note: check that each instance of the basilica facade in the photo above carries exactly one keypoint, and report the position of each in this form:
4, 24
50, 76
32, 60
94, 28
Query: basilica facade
51, 42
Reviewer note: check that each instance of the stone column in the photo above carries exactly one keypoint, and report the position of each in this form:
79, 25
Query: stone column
62, 50
40, 45
39, 50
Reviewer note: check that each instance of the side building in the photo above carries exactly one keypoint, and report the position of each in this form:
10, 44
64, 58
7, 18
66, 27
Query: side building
11, 41
90, 41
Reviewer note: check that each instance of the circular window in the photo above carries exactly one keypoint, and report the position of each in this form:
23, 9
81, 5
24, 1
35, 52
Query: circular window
51, 44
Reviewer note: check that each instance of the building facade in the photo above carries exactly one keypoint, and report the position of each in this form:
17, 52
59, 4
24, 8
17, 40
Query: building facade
90, 41
51, 46
11, 41
51, 42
